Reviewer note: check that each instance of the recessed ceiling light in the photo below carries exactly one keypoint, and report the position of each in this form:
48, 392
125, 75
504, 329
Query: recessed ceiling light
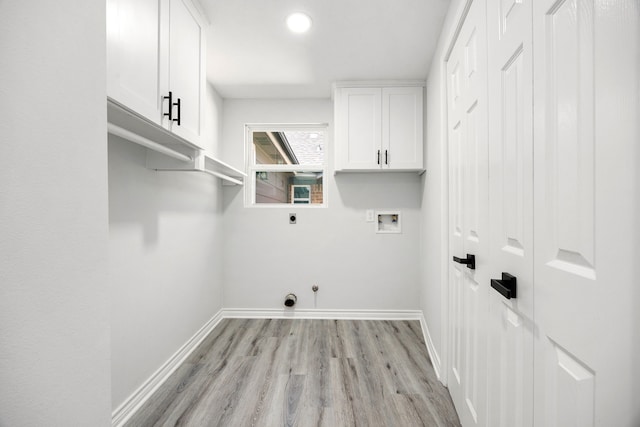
299, 22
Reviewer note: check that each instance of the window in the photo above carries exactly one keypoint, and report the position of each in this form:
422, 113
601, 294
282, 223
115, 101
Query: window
300, 193
286, 165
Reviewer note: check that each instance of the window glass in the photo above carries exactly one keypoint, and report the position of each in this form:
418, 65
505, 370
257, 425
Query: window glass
289, 187
289, 148
287, 165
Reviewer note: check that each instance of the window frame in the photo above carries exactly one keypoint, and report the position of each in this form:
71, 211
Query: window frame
252, 168
306, 200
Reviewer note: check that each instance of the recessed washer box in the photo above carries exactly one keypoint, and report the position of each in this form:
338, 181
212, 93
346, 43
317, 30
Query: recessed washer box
388, 222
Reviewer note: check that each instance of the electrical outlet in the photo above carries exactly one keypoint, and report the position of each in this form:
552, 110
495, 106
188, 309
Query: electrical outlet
370, 216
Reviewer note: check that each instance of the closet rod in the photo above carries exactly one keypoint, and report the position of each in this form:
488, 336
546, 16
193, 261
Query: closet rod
134, 137
209, 172
223, 176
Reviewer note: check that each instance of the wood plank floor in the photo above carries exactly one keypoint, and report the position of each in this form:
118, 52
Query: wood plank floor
294, 372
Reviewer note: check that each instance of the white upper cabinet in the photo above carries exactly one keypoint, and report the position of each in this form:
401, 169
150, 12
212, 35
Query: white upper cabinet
379, 128
402, 128
358, 128
156, 62
187, 70
134, 56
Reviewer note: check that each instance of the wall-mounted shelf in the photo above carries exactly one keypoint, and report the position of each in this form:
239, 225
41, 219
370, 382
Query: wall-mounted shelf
202, 162
147, 143
169, 152
224, 171
122, 117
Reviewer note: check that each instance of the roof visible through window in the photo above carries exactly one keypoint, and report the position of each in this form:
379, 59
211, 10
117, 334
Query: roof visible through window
308, 147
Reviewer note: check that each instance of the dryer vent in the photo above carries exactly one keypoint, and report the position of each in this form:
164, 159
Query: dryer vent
290, 300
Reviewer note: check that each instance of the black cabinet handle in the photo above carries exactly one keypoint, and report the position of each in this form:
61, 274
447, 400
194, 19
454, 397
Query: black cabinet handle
177, 104
507, 286
386, 157
170, 99
378, 156
470, 260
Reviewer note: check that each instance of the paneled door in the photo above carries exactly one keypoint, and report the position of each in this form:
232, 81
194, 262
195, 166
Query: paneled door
510, 319
587, 210
468, 233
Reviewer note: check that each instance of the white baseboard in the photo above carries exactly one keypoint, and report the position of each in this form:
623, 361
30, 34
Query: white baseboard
433, 354
142, 394
249, 313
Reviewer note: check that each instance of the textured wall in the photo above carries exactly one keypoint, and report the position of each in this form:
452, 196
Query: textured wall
54, 299
165, 263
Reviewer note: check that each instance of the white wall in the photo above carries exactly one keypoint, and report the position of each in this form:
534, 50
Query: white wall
265, 257
54, 299
165, 262
434, 220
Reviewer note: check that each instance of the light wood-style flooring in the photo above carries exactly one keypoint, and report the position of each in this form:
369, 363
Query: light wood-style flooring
293, 372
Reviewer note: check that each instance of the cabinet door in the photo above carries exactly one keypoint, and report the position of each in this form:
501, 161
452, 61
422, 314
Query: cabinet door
135, 57
402, 128
186, 69
358, 128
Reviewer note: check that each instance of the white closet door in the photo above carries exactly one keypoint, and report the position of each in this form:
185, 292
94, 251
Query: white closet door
468, 153
510, 324
587, 205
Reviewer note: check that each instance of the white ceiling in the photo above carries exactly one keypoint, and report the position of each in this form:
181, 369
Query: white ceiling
251, 53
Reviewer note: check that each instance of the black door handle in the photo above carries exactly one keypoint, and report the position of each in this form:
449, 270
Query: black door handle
178, 104
470, 260
170, 99
507, 286
378, 156
386, 157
